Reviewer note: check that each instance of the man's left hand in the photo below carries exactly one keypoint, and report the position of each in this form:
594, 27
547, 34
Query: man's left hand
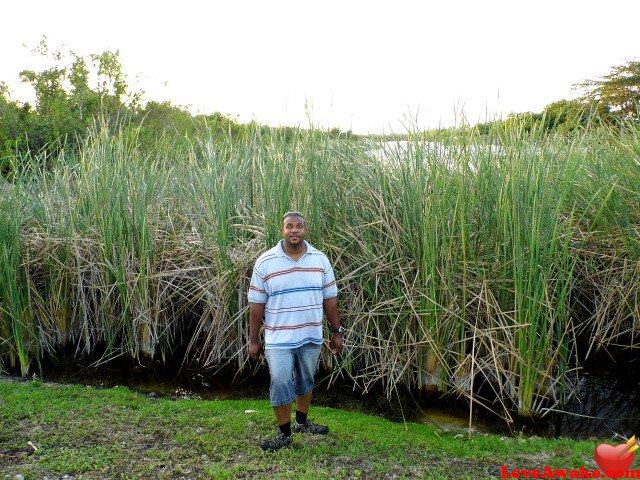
336, 344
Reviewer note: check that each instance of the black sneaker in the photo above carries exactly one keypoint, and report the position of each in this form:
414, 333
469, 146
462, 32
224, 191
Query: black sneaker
276, 443
310, 427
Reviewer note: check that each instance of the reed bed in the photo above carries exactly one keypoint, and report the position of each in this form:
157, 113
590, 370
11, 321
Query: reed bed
484, 266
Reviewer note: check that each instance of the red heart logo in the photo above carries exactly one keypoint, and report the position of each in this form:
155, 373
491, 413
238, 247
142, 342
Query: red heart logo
613, 459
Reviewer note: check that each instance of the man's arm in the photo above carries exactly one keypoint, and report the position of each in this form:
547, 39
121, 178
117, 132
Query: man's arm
330, 306
256, 314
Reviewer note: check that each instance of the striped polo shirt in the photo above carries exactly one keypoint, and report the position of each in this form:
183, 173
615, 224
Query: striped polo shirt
293, 292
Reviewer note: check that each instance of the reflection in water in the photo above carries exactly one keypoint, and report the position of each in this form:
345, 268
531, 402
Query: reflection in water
606, 404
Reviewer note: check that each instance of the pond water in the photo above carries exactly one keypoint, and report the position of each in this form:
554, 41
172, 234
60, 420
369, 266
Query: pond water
607, 403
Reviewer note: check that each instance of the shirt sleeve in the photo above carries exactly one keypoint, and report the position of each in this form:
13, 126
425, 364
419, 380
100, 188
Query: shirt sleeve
257, 292
329, 288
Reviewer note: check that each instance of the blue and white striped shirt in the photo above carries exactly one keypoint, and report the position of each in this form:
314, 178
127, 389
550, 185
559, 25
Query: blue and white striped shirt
293, 293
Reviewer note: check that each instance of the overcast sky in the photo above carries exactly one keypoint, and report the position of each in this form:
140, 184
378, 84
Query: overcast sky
368, 66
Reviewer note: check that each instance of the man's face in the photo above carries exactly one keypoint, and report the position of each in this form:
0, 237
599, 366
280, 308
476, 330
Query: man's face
294, 230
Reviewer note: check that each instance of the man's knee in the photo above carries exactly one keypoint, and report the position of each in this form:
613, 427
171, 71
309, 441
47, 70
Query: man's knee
280, 383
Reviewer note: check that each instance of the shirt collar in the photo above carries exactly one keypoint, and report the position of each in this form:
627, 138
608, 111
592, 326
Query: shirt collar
310, 248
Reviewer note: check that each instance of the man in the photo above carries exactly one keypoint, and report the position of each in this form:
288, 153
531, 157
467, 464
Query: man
292, 284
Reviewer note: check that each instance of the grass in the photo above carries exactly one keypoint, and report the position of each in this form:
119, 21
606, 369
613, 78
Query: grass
90, 433
480, 264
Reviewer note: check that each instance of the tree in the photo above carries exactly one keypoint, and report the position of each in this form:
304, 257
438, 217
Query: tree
619, 90
10, 128
567, 115
76, 89
70, 94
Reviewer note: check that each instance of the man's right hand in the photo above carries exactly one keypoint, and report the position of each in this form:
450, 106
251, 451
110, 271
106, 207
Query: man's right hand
255, 351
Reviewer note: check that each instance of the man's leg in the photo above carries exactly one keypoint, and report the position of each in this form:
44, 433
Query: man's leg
282, 393
283, 413
306, 363
303, 402
302, 408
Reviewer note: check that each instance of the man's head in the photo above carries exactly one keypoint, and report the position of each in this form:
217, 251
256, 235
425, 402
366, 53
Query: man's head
294, 228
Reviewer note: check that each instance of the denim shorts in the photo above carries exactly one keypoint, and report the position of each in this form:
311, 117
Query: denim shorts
292, 371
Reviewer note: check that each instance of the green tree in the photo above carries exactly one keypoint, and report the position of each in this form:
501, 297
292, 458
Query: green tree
568, 115
619, 90
11, 126
114, 92
67, 100
76, 89
84, 102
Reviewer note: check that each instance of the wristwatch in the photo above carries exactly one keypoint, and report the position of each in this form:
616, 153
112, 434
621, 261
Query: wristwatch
340, 330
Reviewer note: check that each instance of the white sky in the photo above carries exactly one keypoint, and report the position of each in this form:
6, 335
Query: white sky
369, 66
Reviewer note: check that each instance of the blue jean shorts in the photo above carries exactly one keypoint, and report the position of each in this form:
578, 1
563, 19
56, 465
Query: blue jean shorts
292, 371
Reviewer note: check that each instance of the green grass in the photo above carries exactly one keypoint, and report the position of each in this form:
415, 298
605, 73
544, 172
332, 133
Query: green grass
116, 433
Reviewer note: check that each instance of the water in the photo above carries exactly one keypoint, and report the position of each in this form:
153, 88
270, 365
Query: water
403, 151
607, 403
